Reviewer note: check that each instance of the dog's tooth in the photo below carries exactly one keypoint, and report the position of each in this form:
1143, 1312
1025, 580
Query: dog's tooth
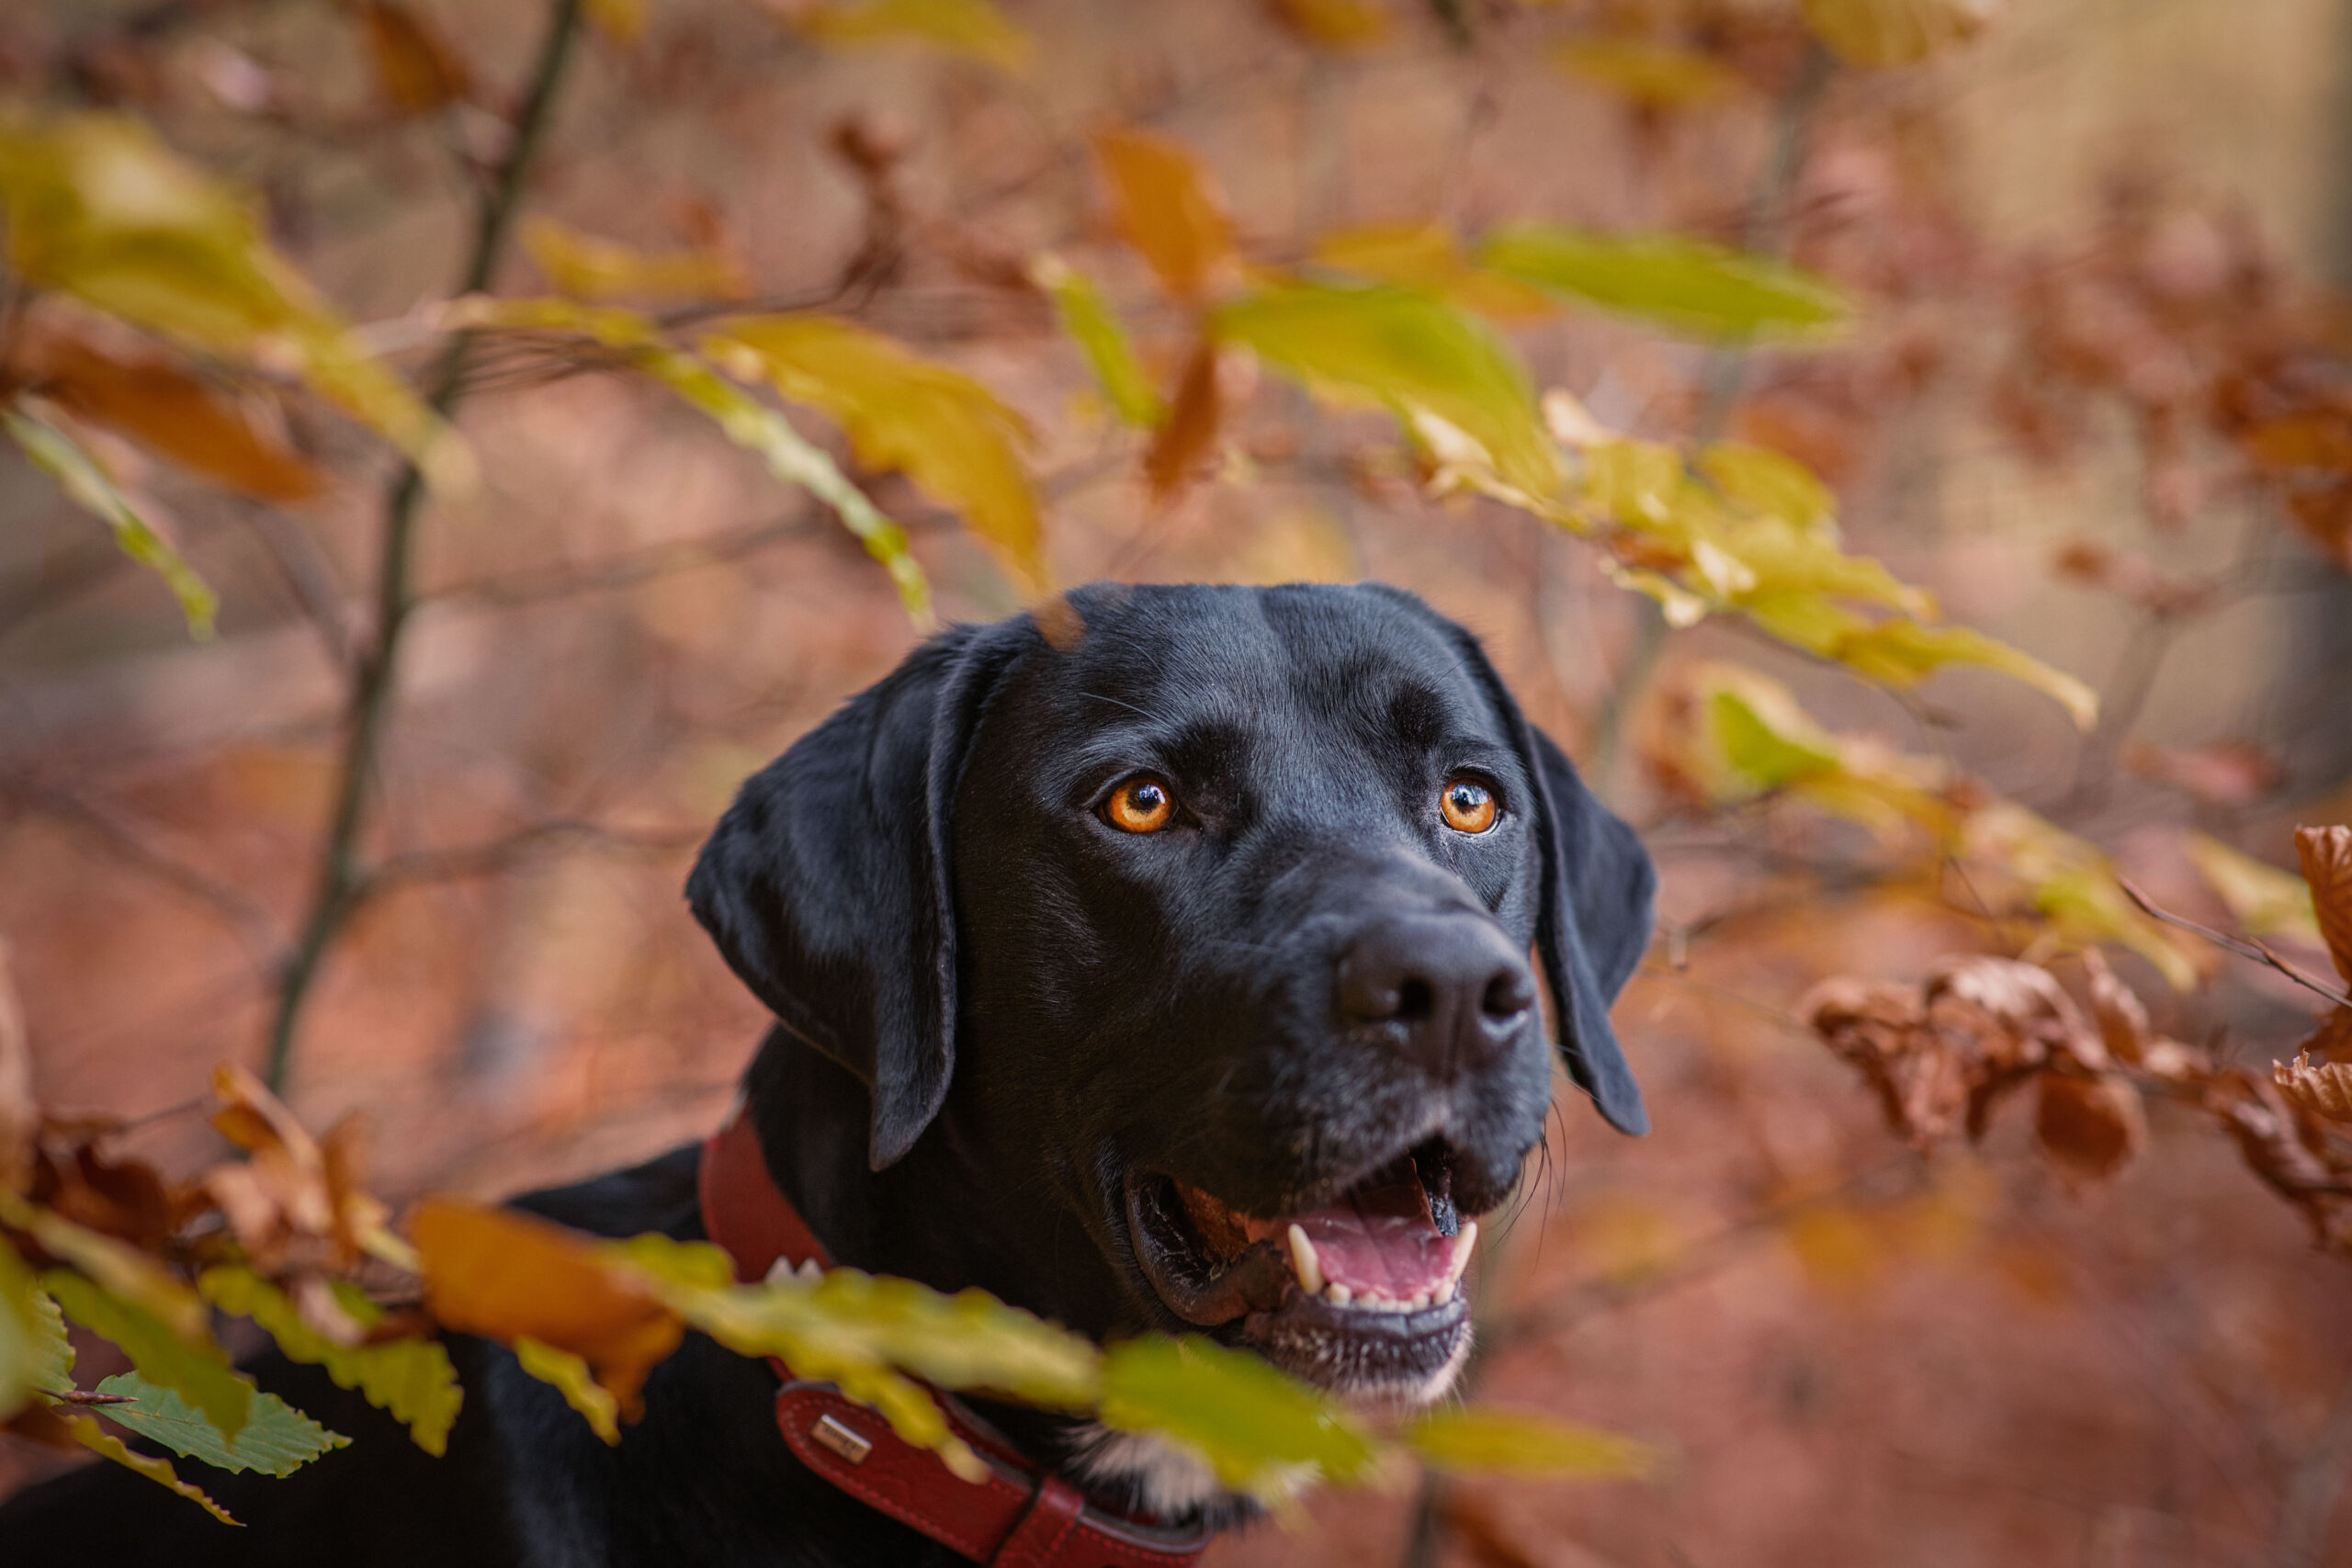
1444, 1293
1462, 1242
812, 1270
1337, 1294
1308, 1267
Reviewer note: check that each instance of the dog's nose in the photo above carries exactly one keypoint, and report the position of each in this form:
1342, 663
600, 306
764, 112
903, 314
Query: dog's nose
1450, 986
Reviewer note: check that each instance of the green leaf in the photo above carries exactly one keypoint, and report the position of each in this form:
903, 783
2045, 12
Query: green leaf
1259, 1431
2263, 899
85, 1430
88, 486
791, 457
1511, 1442
1443, 371
969, 27
410, 1378
196, 1367
275, 1439
1902, 653
571, 1376
99, 208
118, 1268
938, 426
1428, 257
35, 1355
1086, 316
1687, 286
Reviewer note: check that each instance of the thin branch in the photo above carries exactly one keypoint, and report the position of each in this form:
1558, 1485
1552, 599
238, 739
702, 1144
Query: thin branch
2244, 947
341, 880
505, 854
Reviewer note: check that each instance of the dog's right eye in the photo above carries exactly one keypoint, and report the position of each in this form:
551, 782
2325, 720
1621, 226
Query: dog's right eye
1142, 805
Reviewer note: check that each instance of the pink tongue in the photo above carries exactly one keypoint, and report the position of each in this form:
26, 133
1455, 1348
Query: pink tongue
1381, 1238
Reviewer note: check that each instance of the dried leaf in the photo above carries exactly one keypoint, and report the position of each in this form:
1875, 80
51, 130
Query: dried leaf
1487, 1441
1166, 204
1334, 24
416, 70
2323, 1087
938, 426
623, 21
2122, 1018
585, 267
970, 27
2326, 855
411, 1379
1684, 285
89, 486
2262, 1120
1188, 434
275, 1439
1087, 317
1875, 34
167, 409
1645, 72
2091, 1127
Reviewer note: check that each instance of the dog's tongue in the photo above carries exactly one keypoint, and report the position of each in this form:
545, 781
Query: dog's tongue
1381, 1239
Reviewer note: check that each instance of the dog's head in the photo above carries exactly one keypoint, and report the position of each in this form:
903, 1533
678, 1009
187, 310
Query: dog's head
1199, 932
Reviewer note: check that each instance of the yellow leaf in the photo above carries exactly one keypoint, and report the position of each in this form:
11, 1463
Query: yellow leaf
1645, 72
1767, 482
411, 1379
570, 1376
938, 426
1484, 1442
623, 21
585, 267
1685, 285
1188, 431
35, 1355
1874, 34
970, 27
1259, 1430
100, 209
116, 1267
1427, 256
169, 410
2263, 899
1086, 316
85, 1430
1902, 653
1442, 372
1166, 204
744, 421
92, 489
1335, 24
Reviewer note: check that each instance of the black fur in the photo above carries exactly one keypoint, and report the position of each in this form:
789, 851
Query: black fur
993, 1009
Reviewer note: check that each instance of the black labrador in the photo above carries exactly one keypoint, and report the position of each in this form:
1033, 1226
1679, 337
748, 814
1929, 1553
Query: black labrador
1156, 962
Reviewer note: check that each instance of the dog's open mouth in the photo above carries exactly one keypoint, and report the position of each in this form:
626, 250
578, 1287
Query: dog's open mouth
1363, 1292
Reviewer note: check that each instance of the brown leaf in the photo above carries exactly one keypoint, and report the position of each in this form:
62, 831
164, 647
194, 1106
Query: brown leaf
1189, 433
179, 415
19, 1112
2269, 1136
2091, 1127
298, 1202
125, 1198
2324, 1087
505, 1276
2327, 865
1166, 204
2122, 1018
415, 68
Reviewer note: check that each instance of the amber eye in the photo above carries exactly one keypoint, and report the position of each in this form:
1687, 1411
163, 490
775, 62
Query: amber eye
1140, 805
1469, 807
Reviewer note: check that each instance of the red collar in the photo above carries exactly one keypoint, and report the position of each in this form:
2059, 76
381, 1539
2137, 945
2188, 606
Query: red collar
1018, 1518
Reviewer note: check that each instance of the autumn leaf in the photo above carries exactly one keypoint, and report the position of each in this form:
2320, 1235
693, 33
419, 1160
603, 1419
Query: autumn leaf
1334, 24
2091, 1127
169, 410
2323, 1087
2326, 855
193, 1365
938, 426
970, 27
416, 70
35, 1355
1687, 286
1875, 34
1645, 72
1456, 387
1187, 434
275, 1439
1482, 1440
508, 1276
90, 487
1260, 1431
1166, 204
1428, 257
2262, 898
583, 266
411, 1379
19, 1112
1087, 317
623, 21
571, 1376
57, 1427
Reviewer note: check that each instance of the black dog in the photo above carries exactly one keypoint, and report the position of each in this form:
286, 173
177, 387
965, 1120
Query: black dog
1157, 963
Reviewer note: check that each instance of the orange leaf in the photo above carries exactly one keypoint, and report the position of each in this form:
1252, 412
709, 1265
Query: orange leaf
506, 1276
2323, 1087
1189, 432
416, 67
1335, 24
179, 415
1166, 204
2327, 865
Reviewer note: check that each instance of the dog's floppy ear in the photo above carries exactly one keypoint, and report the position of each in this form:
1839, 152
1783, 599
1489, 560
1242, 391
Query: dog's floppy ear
1593, 915
826, 885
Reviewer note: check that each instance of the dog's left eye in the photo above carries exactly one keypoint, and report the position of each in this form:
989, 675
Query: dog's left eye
1467, 806
1142, 805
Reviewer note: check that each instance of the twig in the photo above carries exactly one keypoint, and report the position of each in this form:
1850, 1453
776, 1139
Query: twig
2244, 947
341, 880
501, 854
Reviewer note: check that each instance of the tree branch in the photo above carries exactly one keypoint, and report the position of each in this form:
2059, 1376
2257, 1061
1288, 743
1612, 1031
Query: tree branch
2244, 947
343, 880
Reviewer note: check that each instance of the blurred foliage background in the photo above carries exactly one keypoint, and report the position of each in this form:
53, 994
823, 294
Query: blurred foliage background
2041, 293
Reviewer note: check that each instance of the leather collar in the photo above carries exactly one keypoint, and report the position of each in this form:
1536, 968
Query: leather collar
1020, 1516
